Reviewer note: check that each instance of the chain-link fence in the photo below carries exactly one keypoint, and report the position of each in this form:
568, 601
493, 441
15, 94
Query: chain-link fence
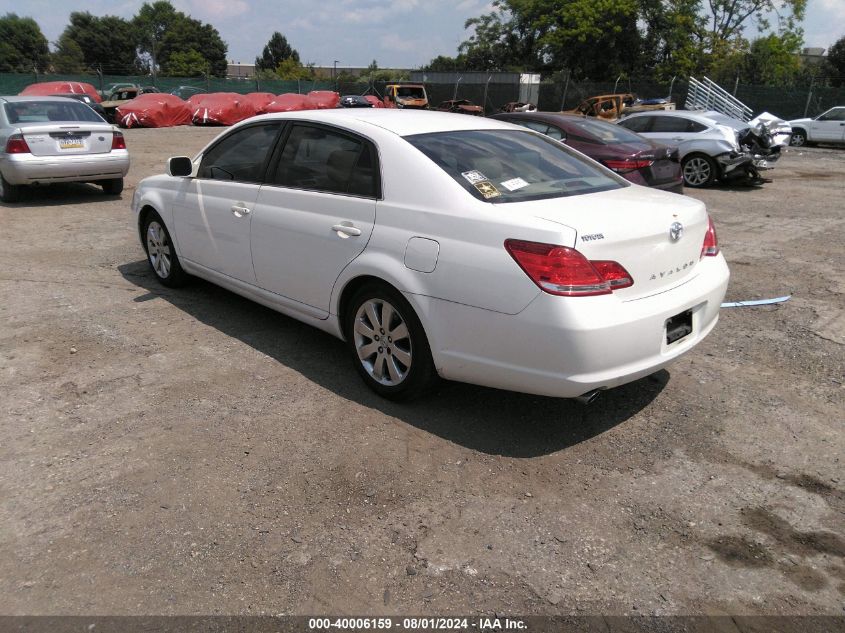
563, 94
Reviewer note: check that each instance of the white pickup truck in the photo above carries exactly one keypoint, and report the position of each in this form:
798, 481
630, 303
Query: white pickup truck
828, 127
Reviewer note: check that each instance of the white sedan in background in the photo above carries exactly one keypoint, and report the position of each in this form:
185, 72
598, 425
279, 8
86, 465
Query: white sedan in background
828, 127
442, 245
45, 140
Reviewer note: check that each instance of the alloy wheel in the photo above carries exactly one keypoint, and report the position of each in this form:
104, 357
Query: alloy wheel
158, 249
383, 342
697, 171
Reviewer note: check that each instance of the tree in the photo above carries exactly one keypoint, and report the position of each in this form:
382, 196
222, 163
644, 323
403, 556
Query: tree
163, 31
673, 37
446, 64
106, 42
773, 60
68, 57
275, 52
590, 37
23, 46
727, 19
185, 64
836, 59
291, 69
602, 38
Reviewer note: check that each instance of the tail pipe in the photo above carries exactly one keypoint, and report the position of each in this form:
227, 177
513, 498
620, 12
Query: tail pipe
589, 397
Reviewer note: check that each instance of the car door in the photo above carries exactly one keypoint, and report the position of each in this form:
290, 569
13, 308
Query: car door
212, 214
315, 214
674, 130
829, 126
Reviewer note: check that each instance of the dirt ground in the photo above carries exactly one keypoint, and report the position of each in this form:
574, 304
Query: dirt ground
191, 452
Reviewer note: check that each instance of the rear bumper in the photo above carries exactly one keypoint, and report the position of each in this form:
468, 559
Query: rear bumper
565, 347
26, 169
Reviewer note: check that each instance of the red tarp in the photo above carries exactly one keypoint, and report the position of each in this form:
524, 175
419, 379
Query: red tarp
221, 108
377, 103
154, 109
47, 88
323, 99
260, 100
288, 102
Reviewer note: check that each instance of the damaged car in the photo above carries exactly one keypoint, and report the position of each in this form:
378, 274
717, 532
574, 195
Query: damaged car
712, 147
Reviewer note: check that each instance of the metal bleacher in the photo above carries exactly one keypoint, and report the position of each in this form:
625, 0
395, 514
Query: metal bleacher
708, 95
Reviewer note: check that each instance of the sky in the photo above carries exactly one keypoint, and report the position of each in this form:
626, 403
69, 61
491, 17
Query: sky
396, 33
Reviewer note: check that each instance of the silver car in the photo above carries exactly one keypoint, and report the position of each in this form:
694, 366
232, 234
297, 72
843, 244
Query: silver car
711, 145
54, 139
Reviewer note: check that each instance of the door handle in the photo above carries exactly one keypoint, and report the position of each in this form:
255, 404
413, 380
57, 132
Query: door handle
678, 138
345, 229
240, 211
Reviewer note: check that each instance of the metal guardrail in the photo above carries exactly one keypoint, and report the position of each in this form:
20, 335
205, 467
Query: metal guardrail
708, 95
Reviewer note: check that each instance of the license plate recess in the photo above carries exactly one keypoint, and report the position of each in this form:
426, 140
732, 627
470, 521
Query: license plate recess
678, 326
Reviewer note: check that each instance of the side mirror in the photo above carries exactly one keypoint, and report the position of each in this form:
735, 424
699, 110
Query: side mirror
179, 166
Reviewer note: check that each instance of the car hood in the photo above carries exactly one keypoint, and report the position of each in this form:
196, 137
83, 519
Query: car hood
799, 121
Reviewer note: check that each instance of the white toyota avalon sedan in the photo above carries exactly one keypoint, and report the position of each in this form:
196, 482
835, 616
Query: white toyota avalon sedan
443, 245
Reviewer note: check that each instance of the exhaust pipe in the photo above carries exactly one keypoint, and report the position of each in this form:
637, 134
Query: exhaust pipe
589, 397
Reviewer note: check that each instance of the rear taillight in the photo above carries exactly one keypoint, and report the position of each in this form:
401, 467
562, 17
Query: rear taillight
560, 270
614, 274
117, 140
628, 164
710, 248
16, 144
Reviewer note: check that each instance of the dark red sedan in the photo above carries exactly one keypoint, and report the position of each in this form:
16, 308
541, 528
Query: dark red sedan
634, 157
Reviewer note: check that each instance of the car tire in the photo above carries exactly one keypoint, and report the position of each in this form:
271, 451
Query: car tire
798, 138
161, 254
112, 187
699, 170
395, 367
9, 193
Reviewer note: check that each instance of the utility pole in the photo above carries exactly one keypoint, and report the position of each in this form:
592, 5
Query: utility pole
153, 55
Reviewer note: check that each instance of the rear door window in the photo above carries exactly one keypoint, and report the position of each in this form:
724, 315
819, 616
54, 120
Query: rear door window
321, 159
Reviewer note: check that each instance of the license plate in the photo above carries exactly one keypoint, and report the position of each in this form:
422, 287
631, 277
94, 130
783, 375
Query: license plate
678, 327
663, 169
71, 142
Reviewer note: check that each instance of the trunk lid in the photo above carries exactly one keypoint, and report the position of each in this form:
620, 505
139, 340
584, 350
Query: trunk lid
632, 226
61, 139
666, 166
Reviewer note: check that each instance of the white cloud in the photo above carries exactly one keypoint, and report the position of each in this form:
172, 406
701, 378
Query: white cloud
210, 9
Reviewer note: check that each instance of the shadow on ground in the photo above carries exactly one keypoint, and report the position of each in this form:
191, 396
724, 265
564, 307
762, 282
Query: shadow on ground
61, 194
487, 420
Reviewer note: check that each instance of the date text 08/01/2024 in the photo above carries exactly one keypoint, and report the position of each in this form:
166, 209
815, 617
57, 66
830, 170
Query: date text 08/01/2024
416, 624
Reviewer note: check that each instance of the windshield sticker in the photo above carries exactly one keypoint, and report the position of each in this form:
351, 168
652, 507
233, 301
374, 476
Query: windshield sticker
474, 176
514, 183
487, 189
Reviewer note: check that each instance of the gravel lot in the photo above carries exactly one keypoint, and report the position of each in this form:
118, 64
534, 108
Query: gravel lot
191, 452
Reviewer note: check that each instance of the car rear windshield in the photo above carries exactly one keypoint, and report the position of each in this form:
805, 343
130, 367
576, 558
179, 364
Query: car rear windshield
50, 111
513, 166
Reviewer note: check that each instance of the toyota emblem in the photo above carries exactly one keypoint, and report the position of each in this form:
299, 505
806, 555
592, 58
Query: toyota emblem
676, 231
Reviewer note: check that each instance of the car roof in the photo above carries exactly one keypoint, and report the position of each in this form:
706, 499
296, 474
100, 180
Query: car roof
551, 117
24, 98
707, 117
400, 122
